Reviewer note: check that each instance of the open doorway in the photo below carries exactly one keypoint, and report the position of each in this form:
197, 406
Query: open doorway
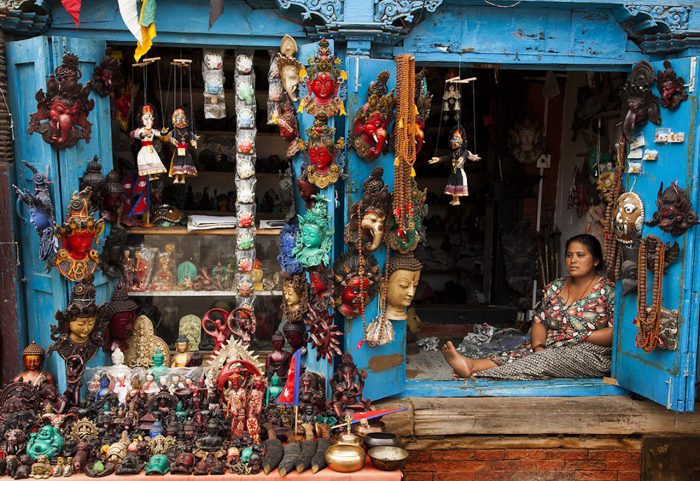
485, 260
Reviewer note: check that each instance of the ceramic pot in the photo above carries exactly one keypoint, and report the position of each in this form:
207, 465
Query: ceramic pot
388, 458
374, 440
345, 458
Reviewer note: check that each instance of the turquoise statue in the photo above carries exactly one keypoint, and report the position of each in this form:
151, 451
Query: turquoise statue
313, 244
158, 370
47, 442
274, 390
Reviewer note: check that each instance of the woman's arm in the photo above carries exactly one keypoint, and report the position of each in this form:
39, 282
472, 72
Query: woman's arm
601, 337
538, 336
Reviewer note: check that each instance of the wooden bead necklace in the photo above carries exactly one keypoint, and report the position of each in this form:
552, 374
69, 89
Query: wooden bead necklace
404, 143
648, 318
610, 247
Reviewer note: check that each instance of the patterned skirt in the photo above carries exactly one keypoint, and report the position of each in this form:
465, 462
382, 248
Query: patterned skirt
580, 361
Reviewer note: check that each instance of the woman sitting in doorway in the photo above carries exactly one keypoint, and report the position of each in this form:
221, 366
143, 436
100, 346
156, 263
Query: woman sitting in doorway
571, 332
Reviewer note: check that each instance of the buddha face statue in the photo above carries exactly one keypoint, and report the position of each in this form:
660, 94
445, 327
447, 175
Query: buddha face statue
311, 236
400, 291
182, 346
79, 243
373, 223
291, 296
323, 88
113, 201
355, 297
80, 329
121, 324
117, 357
32, 362
321, 158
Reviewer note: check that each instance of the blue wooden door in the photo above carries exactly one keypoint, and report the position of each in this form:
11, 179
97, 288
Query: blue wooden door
385, 365
30, 62
667, 377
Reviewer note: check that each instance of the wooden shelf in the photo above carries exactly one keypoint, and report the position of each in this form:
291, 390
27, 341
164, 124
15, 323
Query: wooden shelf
181, 231
198, 293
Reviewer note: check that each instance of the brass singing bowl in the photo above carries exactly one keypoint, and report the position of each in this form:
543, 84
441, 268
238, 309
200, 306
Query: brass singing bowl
388, 458
345, 458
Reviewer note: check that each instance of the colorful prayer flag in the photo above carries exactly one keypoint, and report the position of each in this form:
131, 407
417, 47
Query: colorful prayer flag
290, 393
216, 8
147, 21
130, 15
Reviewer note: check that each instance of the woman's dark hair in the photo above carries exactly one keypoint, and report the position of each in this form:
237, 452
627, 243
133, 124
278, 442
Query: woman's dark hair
593, 245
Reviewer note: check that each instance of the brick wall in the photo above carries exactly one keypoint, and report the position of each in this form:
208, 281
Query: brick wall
524, 465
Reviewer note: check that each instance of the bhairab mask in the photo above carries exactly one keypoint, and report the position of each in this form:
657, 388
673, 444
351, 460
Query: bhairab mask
370, 129
64, 107
674, 213
641, 104
356, 283
76, 259
106, 75
628, 218
41, 212
671, 87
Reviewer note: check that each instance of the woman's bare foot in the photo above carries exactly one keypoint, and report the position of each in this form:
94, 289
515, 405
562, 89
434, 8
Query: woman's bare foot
459, 364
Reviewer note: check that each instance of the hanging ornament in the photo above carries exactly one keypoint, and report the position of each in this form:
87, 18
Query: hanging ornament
457, 182
671, 87
106, 75
322, 150
76, 259
674, 213
371, 126
323, 80
64, 107
213, 76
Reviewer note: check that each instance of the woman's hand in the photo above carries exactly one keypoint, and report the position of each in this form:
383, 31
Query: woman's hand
601, 337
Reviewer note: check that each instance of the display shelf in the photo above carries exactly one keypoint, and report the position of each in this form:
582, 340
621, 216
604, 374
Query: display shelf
182, 231
197, 293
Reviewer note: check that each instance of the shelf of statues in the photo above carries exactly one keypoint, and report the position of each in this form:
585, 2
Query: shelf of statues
182, 231
191, 293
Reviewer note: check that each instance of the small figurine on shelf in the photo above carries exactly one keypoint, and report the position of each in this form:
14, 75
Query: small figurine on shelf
148, 160
215, 325
33, 358
457, 182
277, 361
258, 275
164, 279
183, 356
182, 137
158, 370
347, 385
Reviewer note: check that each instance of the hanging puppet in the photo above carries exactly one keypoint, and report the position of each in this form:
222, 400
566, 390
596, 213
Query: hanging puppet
457, 182
41, 212
148, 160
322, 150
323, 80
371, 127
76, 259
182, 137
65, 107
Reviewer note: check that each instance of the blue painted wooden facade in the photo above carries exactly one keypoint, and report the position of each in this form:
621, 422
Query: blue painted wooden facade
539, 35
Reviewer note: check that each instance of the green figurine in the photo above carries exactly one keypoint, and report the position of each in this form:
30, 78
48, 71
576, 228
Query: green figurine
186, 272
313, 244
274, 390
158, 370
158, 464
47, 442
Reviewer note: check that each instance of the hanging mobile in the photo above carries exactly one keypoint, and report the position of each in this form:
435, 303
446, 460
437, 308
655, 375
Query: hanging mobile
148, 159
181, 134
457, 182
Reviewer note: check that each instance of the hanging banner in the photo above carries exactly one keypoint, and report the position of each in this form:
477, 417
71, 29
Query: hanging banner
130, 15
216, 8
147, 21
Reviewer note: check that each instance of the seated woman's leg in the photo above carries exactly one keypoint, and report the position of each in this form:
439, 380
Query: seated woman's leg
464, 366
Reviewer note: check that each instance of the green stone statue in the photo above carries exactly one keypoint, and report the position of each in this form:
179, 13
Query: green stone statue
274, 390
158, 368
47, 442
313, 244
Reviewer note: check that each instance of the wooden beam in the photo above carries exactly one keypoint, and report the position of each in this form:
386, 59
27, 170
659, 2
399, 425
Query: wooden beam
521, 442
609, 416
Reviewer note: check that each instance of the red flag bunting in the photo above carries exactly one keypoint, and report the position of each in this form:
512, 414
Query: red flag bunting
73, 9
290, 393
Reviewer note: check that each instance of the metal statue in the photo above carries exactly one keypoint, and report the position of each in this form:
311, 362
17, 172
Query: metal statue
41, 211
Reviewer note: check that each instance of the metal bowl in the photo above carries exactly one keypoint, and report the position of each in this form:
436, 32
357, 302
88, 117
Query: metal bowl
374, 440
388, 458
345, 458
